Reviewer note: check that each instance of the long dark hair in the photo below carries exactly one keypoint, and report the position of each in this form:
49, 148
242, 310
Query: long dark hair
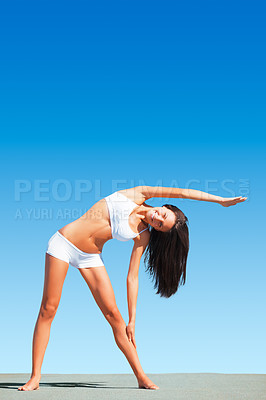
166, 255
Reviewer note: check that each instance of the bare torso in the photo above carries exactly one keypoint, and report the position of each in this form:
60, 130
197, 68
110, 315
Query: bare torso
93, 229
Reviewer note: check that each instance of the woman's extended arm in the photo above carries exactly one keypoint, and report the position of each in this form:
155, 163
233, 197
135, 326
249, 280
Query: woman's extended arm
192, 194
133, 282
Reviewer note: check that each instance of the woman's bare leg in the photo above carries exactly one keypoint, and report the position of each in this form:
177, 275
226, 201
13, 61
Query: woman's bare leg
99, 283
55, 273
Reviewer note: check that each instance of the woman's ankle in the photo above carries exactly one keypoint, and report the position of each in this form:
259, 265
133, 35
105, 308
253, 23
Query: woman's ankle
140, 375
36, 375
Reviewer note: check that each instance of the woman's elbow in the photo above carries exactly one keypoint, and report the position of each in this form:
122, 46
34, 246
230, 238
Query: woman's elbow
132, 277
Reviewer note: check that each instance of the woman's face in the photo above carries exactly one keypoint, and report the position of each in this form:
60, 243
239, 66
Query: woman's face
161, 218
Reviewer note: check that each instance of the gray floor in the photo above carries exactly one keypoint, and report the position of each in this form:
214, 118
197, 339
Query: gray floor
124, 386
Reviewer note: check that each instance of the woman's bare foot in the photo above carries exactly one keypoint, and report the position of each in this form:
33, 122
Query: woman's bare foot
146, 383
32, 384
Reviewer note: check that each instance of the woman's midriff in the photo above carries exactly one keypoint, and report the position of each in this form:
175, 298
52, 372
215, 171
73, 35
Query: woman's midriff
91, 230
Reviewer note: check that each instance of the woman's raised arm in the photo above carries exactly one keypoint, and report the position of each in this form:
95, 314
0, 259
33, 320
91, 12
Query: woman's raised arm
192, 194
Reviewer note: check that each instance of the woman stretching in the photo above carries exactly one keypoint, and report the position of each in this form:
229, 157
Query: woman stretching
123, 215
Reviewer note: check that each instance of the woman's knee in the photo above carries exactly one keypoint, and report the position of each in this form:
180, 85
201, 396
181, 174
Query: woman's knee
114, 317
48, 310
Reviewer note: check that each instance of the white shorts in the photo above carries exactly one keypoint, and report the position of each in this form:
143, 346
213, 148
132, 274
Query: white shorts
60, 247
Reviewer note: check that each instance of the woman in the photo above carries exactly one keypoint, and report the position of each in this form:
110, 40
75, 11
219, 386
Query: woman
124, 215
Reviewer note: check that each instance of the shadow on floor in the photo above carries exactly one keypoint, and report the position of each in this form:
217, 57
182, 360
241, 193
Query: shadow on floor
95, 385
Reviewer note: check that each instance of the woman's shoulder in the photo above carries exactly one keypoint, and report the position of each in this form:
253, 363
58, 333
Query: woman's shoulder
134, 194
143, 238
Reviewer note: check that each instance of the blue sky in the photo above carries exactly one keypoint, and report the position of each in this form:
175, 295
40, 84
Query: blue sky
115, 94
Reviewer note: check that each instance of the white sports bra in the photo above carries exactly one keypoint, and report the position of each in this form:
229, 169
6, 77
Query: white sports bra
120, 208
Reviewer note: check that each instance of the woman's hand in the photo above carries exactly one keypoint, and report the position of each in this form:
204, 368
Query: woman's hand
231, 201
130, 330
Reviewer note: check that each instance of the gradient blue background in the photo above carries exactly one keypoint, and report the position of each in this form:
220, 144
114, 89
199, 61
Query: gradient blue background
154, 92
